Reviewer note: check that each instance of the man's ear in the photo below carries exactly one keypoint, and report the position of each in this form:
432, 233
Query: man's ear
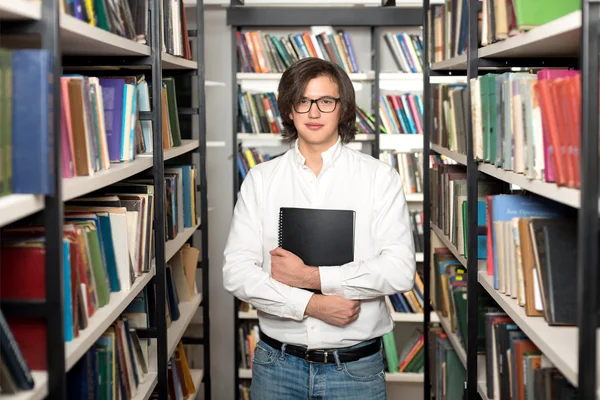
291, 116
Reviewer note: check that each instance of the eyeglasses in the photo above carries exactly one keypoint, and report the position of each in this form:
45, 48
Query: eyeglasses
324, 104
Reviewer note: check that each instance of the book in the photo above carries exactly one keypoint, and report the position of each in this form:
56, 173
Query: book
319, 237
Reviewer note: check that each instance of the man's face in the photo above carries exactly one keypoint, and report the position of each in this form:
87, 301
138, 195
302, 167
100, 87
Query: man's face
317, 126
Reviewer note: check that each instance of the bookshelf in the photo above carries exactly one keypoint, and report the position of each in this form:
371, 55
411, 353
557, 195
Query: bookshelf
569, 349
377, 74
78, 47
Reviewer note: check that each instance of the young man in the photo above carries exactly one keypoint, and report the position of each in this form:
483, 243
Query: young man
319, 345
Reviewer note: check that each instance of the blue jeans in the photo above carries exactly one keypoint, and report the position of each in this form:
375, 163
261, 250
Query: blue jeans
280, 376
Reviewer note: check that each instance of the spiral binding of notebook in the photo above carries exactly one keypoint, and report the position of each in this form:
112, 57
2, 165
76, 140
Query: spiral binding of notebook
280, 234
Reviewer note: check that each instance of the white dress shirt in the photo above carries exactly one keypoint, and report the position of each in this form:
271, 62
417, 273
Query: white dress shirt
384, 251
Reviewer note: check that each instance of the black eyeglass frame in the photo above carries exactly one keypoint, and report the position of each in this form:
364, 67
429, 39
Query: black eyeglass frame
315, 101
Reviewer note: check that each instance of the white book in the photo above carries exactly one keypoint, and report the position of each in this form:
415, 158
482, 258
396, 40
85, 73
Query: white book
178, 196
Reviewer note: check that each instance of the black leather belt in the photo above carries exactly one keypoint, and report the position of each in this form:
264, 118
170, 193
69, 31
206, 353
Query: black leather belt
324, 356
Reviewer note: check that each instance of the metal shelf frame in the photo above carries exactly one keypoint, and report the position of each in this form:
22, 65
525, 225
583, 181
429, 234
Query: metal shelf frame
51, 210
472, 64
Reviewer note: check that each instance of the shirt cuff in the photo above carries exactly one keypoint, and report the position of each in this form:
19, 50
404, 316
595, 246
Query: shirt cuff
331, 280
297, 302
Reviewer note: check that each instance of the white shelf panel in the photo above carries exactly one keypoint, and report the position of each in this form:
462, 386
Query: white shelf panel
81, 185
39, 391
413, 317
454, 63
558, 343
245, 373
13, 207
459, 158
79, 38
213, 83
449, 245
144, 390
402, 142
277, 138
173, 246
186, 146
19, 9
170, 61
558, 38
102, 319
176, 330
410, 377
420, 257
454, 340
399, 76
414, 197
197, 376
564, 195
275, 76
248, 314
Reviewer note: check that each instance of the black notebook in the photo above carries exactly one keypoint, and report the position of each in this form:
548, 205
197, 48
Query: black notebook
319, 237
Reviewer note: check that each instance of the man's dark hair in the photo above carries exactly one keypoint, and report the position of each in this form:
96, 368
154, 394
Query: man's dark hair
291, 91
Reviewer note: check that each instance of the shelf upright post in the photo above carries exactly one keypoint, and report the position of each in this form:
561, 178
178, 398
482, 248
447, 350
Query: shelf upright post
587, 262
376, 64
203, 193
472, 174
53, 216
426, 201
158, 169
236, 180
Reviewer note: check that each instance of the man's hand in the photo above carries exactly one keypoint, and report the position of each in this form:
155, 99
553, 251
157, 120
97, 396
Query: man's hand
334, 310
289, 269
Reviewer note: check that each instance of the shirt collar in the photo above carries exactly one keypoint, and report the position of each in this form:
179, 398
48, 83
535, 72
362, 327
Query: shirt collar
328, 156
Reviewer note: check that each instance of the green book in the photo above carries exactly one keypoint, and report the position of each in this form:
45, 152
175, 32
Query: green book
95, 253
391, 354
532, 13
173, 110
5, 122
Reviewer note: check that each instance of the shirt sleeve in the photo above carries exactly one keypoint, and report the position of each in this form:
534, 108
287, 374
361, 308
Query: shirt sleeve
393, 269
243, 275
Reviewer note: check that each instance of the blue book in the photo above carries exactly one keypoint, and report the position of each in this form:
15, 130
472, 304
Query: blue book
188, 212
68, 301
109, 252
506, 207
350, 51
407, 56
32, 135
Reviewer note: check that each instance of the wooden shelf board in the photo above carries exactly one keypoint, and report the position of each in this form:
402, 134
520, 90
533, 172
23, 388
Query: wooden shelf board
173, 246
394, 377
558, 343
558, 38
449, 245
248, 314
170, 61
564, 195
19, 10
81, 185
145, 389
455, 63
413, 317
39, 391
459, 158
176, 330
197, 377
274, 76
245, 373
186, 146
454, 340
102, 319
401, 142
13, 207
80, 38
213, 83
414, 197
